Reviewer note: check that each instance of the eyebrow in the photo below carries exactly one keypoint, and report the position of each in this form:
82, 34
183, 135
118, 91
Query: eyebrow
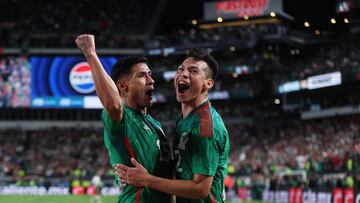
190, 67
143, 72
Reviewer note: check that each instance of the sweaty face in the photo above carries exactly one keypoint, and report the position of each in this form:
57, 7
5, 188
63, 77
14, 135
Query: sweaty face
189, 80
141, 86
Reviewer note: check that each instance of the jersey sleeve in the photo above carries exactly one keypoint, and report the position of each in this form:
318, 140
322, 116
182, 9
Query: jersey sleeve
205, 150
114, 128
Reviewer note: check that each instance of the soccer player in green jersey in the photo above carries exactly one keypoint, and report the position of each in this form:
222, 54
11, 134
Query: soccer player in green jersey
201, 145
129, 131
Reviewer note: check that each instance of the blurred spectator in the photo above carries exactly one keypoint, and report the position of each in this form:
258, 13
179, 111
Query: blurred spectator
15, 82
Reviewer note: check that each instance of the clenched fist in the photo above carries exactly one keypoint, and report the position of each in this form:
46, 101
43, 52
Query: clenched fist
86, 43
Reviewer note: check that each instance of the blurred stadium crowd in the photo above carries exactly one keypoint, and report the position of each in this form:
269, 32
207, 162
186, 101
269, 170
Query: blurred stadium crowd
42, 24
58, 156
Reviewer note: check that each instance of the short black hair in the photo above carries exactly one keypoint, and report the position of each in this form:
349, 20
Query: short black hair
202, 55
123, 66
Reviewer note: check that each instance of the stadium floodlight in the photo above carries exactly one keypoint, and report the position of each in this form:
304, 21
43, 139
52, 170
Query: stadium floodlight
272, 14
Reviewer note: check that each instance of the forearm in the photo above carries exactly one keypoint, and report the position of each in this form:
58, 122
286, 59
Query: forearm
197, 188
104, 85
182, 188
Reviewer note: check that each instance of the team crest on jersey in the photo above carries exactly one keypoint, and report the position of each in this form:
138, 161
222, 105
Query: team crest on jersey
146, 127
80, 78
184, 138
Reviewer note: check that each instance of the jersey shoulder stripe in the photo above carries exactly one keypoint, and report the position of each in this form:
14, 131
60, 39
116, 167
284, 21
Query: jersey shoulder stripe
206, 126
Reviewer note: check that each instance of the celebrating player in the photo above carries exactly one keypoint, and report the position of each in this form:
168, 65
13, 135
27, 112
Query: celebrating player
129, 131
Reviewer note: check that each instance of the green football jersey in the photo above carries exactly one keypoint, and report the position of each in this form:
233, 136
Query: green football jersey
201, 146
141, 137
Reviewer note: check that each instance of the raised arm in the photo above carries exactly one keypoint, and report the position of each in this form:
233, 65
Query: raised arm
197, 188
104, 85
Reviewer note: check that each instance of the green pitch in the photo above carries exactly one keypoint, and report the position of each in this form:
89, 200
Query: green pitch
64, 199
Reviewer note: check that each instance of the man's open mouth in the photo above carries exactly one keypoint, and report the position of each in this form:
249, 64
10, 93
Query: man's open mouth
150, 92
182, 87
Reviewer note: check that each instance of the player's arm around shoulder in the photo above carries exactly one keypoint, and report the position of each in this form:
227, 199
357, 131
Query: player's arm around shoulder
105, 87
197, 188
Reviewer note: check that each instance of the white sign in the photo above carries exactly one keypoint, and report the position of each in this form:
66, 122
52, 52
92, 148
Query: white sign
289, 87
325, 80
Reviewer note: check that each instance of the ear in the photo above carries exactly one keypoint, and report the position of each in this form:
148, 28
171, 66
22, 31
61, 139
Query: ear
209, 83
122, 86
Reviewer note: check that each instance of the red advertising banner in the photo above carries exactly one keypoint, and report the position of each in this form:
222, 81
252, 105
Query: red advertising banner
235, 9
243, 7
295, 195
337, 195
298, 195
292, 195
243, 193
348, 195
78, 190
91, 190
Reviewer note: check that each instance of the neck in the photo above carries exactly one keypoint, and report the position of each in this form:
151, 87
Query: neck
136, 107
187, 107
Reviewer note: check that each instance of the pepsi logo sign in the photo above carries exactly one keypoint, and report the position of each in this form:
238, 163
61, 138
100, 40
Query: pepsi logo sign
80, 78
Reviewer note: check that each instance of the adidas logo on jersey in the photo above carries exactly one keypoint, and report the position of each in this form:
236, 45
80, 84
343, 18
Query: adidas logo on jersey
146, 127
